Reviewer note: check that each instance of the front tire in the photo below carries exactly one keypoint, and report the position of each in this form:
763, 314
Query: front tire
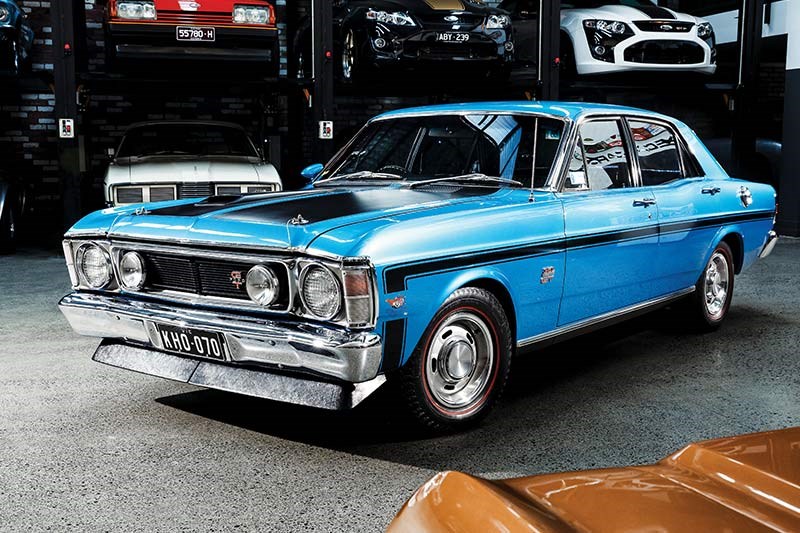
709, 304
460, 367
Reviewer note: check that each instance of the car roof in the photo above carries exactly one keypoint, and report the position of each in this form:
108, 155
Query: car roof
563, 110
185, 122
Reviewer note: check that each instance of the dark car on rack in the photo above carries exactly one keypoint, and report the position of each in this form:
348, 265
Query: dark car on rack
16, 38
216, 30
372, 34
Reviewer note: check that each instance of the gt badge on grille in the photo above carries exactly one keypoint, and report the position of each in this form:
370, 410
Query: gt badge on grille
237, 279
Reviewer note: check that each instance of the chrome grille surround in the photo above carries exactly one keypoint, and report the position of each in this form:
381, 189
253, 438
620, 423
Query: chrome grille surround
292, 261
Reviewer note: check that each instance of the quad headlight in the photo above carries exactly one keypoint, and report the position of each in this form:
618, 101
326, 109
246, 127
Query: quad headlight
704, 30
243, 14
321, 292
497, 21
262, 285
94, 266
132, 271
397, 18
137, 10
611, 27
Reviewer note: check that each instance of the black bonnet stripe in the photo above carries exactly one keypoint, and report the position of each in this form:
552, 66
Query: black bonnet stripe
656, 12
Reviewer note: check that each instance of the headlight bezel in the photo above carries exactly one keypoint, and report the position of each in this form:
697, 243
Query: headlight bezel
603, 36
247, 10
394, 18
139, 285
267, 274
148, 10
498, 21
301, 291
80, 255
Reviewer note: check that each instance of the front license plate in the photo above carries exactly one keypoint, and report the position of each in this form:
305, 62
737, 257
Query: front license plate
452, 37
190, 341
195, 33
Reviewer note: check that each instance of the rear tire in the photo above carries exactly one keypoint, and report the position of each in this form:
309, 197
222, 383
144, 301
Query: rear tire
460, 367
708, 306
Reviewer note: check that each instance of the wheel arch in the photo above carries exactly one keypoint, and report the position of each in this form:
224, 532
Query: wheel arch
735, 241
499, 290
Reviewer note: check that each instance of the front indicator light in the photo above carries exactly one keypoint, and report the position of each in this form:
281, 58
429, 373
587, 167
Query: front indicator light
320, 292
262, 285
358, 296
94, 266
132, 272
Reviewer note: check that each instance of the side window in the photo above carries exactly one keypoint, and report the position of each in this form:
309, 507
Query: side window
599, 161
658, 151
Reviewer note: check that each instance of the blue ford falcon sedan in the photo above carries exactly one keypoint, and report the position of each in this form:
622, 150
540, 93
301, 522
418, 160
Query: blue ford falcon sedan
436, 246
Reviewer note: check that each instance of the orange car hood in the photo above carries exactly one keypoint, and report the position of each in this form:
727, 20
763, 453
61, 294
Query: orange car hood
747, 483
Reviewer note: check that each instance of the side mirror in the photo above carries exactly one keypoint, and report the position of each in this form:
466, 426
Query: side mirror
311, 172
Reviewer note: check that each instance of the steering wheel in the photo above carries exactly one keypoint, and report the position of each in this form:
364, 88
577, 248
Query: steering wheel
394, 169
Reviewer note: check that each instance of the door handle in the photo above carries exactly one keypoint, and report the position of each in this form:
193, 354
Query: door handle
712, 190
646, 202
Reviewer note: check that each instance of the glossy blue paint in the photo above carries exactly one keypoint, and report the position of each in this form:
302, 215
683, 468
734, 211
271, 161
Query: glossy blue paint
604, 252
312, 171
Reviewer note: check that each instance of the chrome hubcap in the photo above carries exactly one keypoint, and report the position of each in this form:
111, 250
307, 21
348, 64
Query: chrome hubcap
716, 285
348, 55
459, 361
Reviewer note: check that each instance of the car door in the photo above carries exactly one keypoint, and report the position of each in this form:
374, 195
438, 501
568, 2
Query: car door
611, 225
685, 199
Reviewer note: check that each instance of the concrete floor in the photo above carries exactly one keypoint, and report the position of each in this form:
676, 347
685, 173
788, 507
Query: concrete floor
84, 447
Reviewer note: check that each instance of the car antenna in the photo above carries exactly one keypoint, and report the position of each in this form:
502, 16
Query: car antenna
531, 198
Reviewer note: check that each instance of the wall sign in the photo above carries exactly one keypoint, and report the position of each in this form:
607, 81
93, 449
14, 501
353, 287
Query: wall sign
66, 128
326, 129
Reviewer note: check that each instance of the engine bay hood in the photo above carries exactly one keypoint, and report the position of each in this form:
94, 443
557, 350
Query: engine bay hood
629, 13
282, 220
183, 171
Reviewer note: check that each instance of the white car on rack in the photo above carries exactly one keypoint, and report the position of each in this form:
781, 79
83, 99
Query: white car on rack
169, 160
610, 36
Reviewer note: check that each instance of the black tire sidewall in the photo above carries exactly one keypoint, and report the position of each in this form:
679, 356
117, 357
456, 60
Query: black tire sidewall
424, 407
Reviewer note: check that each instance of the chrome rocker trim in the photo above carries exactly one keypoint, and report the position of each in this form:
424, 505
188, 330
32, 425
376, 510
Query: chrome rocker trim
769, 245
607, 319
353, 357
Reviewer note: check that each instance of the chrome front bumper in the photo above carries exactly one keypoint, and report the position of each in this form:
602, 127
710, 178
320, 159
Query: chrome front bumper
353, 357
769, 245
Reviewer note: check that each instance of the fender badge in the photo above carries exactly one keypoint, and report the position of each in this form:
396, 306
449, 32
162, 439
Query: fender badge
299, 220
397, 303
141, 211
548, 273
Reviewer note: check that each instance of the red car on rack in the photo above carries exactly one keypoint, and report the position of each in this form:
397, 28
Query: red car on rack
241, 30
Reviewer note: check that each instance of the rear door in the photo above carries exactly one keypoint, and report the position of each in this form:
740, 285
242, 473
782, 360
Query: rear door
687, 202
611, 225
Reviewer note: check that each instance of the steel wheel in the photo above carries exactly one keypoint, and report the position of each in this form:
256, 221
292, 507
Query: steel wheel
715, 285
348, 55
459, 361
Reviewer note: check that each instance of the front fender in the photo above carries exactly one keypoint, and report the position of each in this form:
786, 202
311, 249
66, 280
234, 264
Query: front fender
426, 295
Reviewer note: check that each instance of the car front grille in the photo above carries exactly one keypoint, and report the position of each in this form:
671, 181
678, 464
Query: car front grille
662, 26
195, 190
665, 53
434, 50
200, 18
207, 277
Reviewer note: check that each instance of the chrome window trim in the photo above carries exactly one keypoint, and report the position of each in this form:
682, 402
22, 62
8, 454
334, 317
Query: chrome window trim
625, 116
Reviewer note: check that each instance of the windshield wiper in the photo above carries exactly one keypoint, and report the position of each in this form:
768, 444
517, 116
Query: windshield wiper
364, 174
477, 176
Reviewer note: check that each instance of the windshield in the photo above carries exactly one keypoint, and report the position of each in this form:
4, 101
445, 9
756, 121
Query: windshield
592, 4
421, 148
186, 139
